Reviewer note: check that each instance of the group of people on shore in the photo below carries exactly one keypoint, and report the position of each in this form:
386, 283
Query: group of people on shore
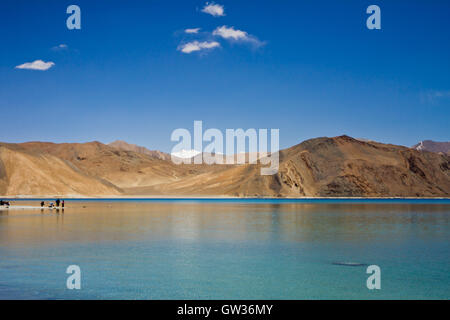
4, 203
57, 203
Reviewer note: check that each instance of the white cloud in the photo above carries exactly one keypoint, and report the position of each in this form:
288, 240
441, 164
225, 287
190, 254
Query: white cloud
230, 33
197, 46
216, 10
193, 30
36, 65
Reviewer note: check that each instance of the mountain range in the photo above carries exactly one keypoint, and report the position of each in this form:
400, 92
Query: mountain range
433, 146
322, 167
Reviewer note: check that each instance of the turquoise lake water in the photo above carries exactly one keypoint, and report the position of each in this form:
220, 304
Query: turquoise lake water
227, 249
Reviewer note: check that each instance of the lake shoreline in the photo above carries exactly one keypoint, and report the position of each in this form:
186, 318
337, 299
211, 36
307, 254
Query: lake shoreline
189, 197
124, 197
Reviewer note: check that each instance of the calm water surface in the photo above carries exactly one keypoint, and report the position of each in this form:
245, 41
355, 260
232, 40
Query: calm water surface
227, 249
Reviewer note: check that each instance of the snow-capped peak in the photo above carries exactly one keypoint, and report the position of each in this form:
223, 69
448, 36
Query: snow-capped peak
185, 153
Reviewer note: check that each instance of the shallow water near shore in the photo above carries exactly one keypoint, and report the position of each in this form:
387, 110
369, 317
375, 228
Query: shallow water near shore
227, 249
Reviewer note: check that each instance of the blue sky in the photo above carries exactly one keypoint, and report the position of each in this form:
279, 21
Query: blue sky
309, 68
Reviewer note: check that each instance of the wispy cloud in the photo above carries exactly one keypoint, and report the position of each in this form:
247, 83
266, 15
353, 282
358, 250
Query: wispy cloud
36, 65
216, 10
440, 94
433, 96
230, 33
60, 47
192, 30
197, 46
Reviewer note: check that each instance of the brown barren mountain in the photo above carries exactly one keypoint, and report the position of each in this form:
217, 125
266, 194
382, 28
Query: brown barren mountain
122, 145
24, 172
325, 167
343, 166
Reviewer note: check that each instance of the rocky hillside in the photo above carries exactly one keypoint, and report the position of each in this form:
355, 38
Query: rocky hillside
122, 145
328, 167
25, 172
344, 166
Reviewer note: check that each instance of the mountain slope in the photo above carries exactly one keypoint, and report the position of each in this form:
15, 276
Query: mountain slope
25, 173
122, 145
124, 169
343, 166
337, 167
331, 167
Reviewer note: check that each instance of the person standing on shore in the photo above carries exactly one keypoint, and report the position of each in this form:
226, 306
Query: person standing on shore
42, 204
57, 202
62, 204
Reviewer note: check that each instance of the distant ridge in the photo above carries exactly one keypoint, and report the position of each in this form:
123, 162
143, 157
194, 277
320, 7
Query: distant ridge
122, 145
433, 146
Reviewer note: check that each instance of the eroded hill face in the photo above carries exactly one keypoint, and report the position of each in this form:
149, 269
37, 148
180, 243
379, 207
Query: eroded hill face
336, 167
29, 173
122, 145
343, 166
